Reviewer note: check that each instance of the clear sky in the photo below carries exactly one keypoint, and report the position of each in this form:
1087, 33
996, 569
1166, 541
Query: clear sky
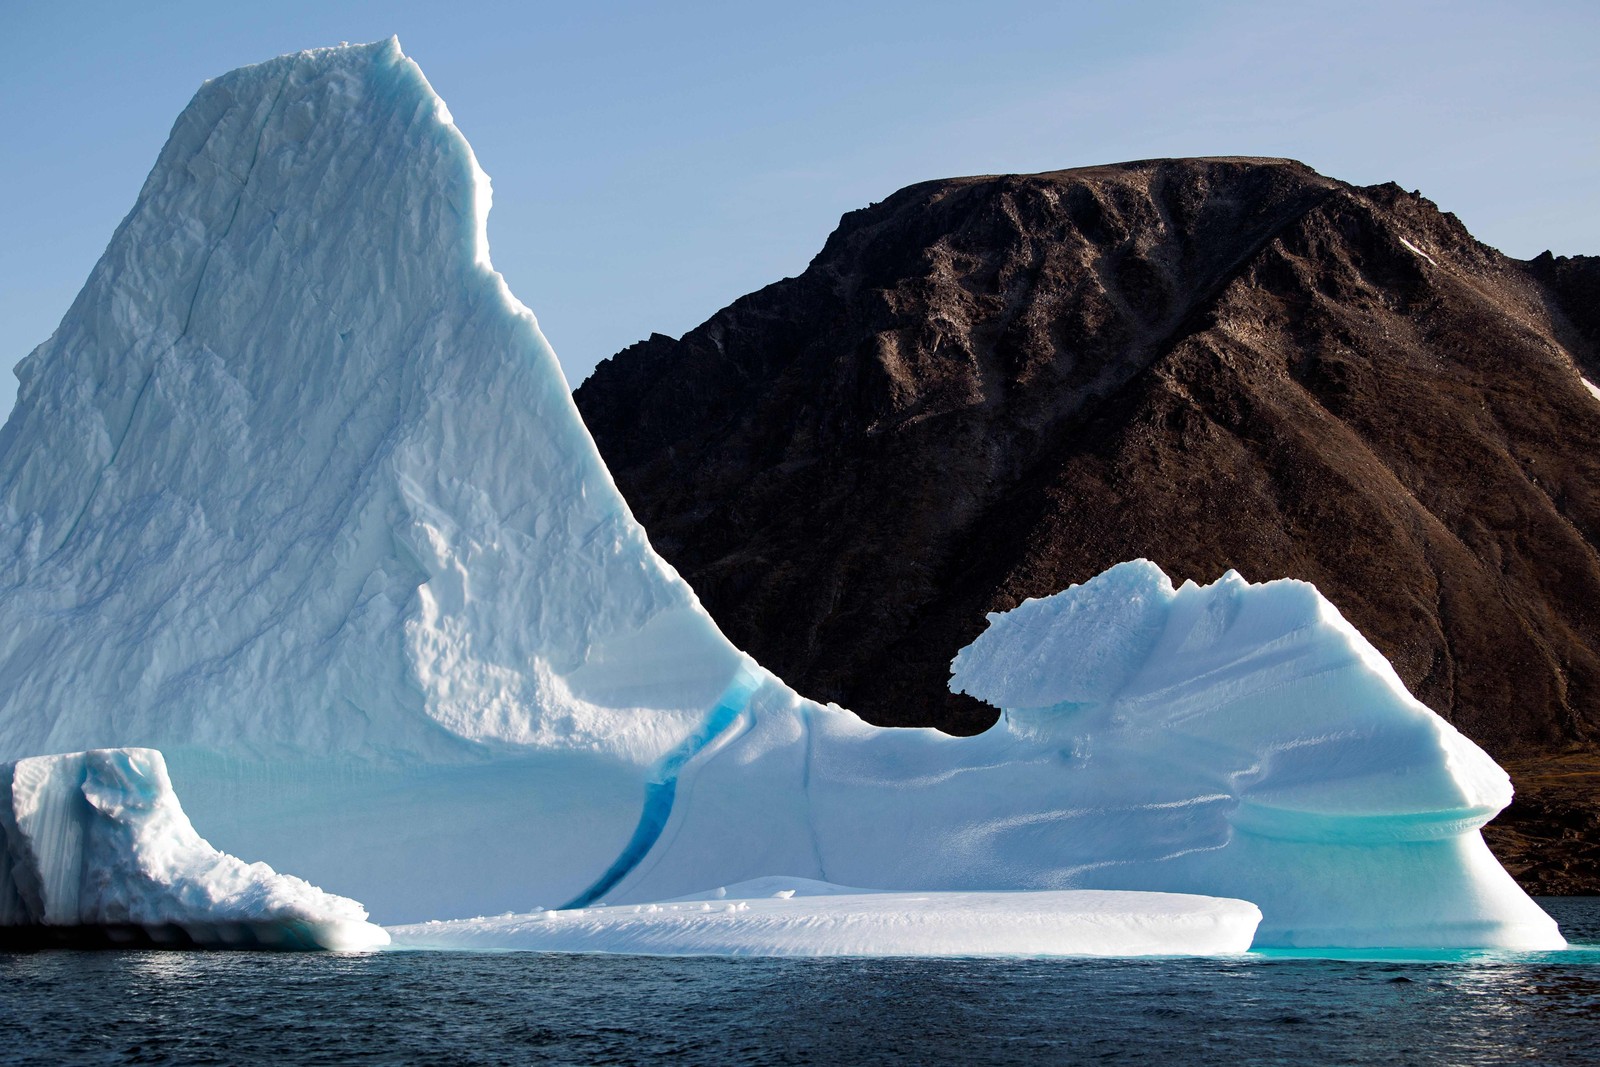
651, 162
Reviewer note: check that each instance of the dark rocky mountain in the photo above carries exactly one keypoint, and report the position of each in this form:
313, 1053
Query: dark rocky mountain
987, 389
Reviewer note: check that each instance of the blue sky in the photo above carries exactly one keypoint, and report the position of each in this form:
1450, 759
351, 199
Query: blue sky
652, 162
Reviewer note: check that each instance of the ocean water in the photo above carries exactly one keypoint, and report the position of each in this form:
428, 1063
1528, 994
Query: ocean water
508, 1008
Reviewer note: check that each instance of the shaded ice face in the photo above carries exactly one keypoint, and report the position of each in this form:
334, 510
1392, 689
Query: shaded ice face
98, 839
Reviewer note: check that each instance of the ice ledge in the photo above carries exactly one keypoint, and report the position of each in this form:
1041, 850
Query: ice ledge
1322, 733
777, 916
98, 852
1299, 771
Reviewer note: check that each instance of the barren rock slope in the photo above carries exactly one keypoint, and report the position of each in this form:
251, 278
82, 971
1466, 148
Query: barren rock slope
986, 389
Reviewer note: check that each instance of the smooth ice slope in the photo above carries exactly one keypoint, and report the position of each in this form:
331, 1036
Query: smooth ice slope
97, 839
296, 427
800, 917
297, 494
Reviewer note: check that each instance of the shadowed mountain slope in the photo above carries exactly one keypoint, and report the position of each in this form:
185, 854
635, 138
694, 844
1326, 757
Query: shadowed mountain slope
987, 389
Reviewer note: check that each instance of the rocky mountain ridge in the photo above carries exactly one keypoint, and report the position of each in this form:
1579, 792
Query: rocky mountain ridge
987, 389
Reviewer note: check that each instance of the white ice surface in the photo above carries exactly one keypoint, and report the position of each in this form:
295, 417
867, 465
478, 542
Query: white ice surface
297, 494
296, 426
99, 839
801, 917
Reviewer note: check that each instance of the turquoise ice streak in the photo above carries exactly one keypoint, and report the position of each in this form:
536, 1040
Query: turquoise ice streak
662, 788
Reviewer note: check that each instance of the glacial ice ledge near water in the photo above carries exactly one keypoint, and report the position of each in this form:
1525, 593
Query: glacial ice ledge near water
96, 844
297, 494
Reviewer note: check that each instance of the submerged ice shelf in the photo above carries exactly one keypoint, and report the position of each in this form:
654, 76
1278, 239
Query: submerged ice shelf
802, 917
297, 494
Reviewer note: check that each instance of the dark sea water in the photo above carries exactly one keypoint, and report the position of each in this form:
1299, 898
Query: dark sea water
409, 1007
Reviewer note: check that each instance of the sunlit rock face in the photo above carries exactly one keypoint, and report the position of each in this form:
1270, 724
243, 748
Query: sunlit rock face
989, 388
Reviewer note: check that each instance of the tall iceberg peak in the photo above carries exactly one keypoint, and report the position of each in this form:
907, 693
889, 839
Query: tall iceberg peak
296, 427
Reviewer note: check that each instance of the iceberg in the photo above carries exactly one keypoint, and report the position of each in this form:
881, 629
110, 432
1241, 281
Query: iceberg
97, 850
297, 495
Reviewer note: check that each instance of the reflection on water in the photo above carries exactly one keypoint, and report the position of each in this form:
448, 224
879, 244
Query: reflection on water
173, 1007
